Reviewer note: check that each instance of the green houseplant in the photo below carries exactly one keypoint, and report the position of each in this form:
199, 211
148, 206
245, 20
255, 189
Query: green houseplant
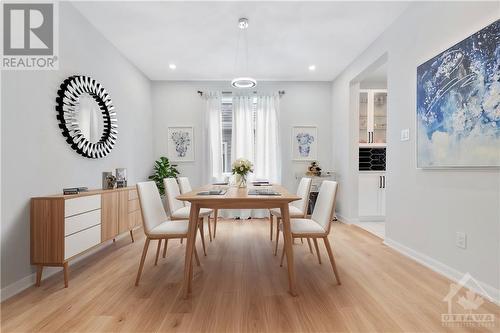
163, 169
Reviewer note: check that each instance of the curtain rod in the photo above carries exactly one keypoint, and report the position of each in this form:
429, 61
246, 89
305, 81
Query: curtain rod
280, 92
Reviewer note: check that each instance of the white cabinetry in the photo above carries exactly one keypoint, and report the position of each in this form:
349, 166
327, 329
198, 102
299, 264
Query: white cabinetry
372, 117
372, 187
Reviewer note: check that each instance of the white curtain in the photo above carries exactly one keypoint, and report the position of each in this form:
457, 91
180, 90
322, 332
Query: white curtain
213, 133
242, 141
267, 143
242, 133
256, 140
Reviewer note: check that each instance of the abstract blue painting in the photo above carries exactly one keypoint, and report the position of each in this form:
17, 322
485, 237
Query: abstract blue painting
458, 104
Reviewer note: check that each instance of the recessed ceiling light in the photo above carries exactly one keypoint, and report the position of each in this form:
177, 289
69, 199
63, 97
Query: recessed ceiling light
172, 66
312, 67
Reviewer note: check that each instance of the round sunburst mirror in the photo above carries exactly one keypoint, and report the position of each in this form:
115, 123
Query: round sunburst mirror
86, 116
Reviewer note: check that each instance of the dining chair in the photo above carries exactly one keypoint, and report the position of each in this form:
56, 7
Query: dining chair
318, 226
185, 187
179, 211
296, 208
156, 224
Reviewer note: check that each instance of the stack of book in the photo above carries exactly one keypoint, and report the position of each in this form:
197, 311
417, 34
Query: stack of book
74, 190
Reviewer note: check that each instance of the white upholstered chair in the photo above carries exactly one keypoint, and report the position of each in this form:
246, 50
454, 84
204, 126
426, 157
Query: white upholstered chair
296, 209
185, 187
156, 224
318, 226
179, 211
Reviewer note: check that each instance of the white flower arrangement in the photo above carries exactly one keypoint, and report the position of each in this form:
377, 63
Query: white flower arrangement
242, 167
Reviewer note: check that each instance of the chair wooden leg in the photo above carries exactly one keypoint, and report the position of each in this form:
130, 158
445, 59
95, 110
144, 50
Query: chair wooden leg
39, 270
282, 256
165, 248
202, 235
278, 221
141, 265
317, 250
182, 240
209, 229
277, 240
132, 235
216, 216
310, 247
158, 248
332, 260
271, 222
65, 270
196, 256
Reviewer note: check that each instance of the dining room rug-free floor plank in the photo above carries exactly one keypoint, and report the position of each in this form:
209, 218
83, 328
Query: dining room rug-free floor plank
240, 287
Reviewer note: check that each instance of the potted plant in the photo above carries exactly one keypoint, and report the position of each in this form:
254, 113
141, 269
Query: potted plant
163, 169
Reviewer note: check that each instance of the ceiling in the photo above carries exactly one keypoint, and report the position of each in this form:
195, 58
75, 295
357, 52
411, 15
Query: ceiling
200, 37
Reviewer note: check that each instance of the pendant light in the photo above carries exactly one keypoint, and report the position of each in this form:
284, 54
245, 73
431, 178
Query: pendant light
243, 81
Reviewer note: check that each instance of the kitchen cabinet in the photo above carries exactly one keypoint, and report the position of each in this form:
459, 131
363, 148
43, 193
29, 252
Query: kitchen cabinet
372, 117
372, 186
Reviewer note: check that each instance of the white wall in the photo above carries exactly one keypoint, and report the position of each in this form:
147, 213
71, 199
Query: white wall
424, 207
36, 160
304, 103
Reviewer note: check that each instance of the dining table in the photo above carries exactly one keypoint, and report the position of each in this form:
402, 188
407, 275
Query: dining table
231, 197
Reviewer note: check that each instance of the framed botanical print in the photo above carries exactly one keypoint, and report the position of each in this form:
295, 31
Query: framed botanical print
304, 143
180, 144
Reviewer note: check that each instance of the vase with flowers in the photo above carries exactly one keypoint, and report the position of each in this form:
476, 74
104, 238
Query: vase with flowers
241, 168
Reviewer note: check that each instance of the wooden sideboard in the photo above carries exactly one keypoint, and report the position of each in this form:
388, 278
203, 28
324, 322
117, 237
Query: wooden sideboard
65, 226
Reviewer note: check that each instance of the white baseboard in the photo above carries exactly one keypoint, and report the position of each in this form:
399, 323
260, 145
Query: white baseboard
492, 293
16, 287
346, 220
28, 281
371, 219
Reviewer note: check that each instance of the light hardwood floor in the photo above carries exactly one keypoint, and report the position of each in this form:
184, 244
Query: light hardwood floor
240, 287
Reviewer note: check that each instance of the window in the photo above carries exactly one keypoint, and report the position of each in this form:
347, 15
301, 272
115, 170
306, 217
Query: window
227, 131
257, 136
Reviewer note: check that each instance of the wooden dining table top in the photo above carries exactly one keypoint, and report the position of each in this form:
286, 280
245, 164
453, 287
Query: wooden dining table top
236, 196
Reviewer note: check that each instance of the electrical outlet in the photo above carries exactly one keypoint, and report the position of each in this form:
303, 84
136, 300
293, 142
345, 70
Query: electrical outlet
461, 240
405, 134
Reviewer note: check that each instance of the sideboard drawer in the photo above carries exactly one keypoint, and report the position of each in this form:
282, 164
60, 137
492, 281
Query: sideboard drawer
81, 205
81, 221
81, 241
